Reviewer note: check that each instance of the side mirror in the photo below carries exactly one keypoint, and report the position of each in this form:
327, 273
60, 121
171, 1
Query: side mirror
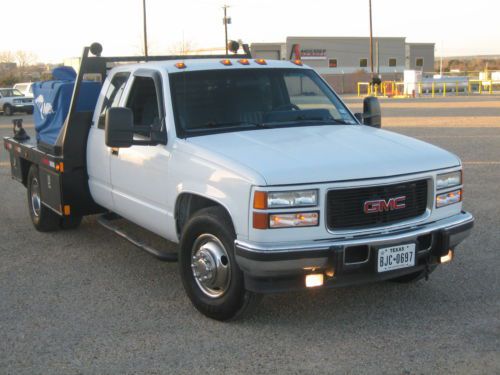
119, 127
372, 115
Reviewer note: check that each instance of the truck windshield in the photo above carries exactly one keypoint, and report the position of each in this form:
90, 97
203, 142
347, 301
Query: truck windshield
212, 101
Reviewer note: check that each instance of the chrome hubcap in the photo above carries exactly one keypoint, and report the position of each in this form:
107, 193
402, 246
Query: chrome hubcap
210, 265
35, 197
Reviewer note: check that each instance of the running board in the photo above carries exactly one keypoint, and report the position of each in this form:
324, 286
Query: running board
106, 220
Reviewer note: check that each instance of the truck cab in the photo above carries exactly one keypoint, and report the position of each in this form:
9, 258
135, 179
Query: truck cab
267, 181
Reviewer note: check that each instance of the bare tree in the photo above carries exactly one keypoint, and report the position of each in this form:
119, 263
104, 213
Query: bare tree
25, 58
184, 47
6, 56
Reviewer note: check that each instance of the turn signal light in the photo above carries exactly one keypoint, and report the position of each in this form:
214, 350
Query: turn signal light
299, 219
260, 200
261, 61
314, 280
180, 65
260, 220
448, 198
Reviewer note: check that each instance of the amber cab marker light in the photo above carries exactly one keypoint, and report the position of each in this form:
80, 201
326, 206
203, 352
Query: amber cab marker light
297, 62
226, 62
260, 200
244, 62
260, 220
180, 65
261, 61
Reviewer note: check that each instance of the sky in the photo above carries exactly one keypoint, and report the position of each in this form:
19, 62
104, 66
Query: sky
58, 29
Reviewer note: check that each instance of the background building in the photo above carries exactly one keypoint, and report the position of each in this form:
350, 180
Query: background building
344, 61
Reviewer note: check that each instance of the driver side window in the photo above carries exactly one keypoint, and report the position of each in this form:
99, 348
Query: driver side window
143, 101
113, 95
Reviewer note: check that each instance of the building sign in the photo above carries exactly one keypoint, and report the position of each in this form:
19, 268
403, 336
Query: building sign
313, 54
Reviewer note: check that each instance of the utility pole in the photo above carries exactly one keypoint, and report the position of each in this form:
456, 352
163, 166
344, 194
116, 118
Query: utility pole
371, 38
145, 28
226, 20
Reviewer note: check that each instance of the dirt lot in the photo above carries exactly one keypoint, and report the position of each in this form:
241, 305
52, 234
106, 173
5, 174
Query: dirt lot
85, 301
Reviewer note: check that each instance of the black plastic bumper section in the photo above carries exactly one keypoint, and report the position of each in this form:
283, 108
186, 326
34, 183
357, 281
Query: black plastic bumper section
429, 249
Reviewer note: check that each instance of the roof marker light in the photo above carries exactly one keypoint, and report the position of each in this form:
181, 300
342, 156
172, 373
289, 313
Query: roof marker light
226, 62
297, 62
261, 61
244, 62
180, 65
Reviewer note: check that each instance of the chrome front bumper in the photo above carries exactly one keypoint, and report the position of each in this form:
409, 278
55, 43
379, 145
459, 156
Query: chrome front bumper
261, 260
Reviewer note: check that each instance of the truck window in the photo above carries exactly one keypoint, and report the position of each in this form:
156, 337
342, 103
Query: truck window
113, 95
306, 94
207, 102
143, 102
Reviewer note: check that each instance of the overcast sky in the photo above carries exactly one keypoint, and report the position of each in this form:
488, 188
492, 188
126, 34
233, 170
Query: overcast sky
55, 29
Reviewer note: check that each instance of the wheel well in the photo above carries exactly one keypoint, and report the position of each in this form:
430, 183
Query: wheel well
25, 168
187, 204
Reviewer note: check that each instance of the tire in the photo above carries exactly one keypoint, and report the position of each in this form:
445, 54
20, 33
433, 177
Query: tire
412, 277
208, 240
70, 222
7, 110
42, 217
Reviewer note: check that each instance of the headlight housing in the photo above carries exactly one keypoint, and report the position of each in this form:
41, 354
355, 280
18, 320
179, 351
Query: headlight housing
448, 180
286, 199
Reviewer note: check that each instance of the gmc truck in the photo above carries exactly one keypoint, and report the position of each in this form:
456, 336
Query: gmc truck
255, 168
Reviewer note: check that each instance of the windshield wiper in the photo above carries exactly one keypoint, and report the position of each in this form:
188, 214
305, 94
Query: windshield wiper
232, 124
299, 121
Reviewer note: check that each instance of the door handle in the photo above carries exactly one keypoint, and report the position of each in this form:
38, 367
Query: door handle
114, 151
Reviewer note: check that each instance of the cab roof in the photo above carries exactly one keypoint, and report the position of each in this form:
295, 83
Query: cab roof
174, 66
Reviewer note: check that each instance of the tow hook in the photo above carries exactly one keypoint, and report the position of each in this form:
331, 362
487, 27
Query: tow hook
427, 269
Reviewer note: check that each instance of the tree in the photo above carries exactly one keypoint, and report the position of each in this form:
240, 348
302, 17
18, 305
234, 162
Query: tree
6, 56
25, 58
184, 47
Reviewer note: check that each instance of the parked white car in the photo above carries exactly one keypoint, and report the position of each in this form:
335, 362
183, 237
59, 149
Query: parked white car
13, 100
26, 88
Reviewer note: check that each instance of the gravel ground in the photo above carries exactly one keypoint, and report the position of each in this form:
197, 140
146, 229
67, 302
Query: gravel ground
85, 301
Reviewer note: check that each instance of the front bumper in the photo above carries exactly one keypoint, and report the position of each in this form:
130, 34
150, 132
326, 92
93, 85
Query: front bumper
282, 267
25, 108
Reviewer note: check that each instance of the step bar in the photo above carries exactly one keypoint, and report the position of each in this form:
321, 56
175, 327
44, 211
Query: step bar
107, 219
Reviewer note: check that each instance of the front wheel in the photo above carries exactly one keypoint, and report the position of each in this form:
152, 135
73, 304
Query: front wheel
210, 275
7, 110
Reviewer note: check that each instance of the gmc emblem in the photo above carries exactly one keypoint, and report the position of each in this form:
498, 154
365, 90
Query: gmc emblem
380, 205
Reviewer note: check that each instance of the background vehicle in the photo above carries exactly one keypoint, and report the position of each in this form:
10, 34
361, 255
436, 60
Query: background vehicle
26, 88
12, 100
256, 168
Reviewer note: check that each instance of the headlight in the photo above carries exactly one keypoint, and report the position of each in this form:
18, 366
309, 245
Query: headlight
17, 101
299, 219
448, 180
448, 198
285, 199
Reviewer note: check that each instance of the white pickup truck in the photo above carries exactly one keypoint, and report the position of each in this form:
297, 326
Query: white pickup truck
259, 172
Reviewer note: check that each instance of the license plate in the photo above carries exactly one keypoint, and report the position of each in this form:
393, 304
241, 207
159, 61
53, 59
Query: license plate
395, 257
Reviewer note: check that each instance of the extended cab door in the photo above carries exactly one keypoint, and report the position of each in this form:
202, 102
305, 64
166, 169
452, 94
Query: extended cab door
139, 174
98, 154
